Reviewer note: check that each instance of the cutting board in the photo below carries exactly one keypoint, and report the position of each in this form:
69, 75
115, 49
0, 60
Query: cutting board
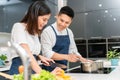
6, 75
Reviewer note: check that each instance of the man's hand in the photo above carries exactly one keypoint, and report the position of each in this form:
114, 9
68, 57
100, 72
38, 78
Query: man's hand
73, 57
82, 59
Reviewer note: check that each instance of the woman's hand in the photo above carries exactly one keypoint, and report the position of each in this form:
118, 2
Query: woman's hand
45, 60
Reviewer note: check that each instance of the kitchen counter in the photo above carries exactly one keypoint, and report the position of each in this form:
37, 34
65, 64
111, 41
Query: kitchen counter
6, 67
113, 75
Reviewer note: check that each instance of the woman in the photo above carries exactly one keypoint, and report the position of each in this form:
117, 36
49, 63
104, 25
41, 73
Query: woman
26, 32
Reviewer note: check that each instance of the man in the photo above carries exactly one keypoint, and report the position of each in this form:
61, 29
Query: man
58, 41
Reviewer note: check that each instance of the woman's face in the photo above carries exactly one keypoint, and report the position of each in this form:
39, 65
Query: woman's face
43, 20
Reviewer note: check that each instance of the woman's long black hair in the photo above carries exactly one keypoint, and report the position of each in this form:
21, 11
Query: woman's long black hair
36, 9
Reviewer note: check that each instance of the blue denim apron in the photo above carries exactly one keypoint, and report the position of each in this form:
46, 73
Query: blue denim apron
16, 62
61, 46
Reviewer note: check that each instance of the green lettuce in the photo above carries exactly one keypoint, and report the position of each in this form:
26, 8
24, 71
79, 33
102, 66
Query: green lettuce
44, 75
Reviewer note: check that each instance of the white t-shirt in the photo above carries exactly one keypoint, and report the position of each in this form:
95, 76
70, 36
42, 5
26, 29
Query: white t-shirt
20, 35
48, 40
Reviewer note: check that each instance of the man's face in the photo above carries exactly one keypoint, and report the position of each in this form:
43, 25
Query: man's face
63, 21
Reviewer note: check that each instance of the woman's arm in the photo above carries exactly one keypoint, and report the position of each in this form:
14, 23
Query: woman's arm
34, 63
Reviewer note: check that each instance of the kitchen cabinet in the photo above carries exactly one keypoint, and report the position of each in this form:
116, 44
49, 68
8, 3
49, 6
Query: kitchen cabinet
114, 43
78, 24
99, 20
54, 9
97, 47
2, 20
13, 11
82, 46
10, 13
92, 48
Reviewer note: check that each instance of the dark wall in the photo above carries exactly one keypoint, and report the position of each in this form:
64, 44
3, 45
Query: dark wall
53, 6
11, 13
14, 12
95, 18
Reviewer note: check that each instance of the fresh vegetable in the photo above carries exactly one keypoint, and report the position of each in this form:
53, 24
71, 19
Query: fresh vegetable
44, 75
63, 76
18, 76
3, 57
21, 69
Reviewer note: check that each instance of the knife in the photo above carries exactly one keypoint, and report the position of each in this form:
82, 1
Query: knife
72, 68
54, 65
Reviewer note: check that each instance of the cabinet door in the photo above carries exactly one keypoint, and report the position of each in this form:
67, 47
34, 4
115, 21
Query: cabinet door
94, 24
77, 26
1, 18
14, 13
82, 47
54, 8
114, 43
77, 5
96, 18
97, 48
97, 51
112, 23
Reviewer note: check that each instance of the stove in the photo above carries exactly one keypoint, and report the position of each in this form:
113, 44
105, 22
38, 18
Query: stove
105, 70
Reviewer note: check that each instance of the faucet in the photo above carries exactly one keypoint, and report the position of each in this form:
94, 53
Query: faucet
25, 59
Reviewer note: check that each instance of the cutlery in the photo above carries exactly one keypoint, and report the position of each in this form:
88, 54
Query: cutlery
54, 65
72, 68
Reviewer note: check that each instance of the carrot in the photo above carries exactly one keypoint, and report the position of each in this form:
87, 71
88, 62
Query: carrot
21, 69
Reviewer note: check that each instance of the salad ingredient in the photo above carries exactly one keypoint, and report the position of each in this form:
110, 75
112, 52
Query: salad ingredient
21, 69
44, 75
63, 76
3, 57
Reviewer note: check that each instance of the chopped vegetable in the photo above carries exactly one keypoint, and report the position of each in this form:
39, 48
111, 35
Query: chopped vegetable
3, 57
44, 75
18, 77
63, 76
21, 69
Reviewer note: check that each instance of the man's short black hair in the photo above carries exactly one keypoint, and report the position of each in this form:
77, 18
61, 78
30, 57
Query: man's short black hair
67, 10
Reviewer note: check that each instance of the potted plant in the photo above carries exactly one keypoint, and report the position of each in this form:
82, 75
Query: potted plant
113, 56
3, 58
